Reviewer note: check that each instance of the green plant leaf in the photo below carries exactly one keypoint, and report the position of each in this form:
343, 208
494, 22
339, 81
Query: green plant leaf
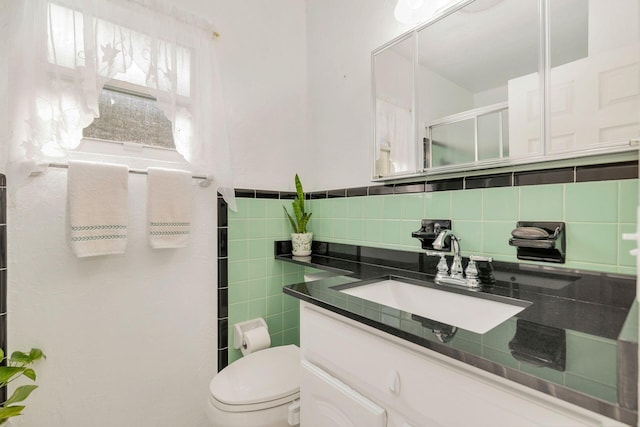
27, 358
10, 411
36, 354
300, 192
30, 373
20, 394
20, 357
293, 223
297, 210
299, 218
8, 372
306, 221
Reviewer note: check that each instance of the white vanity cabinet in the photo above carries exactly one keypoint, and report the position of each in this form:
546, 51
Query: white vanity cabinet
347, 364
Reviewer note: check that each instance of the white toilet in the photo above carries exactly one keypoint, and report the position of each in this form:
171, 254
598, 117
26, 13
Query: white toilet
259, 390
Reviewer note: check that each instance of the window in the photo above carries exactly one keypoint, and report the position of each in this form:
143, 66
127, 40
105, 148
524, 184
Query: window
127, 117
163, 84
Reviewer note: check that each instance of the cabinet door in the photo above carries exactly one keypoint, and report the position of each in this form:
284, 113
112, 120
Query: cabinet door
327, 402
413, 383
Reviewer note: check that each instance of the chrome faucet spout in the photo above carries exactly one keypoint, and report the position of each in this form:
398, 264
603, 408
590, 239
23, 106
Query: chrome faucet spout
440, 238
439, 243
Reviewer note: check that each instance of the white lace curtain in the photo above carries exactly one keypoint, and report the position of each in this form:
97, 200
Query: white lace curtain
393, 132
62, 53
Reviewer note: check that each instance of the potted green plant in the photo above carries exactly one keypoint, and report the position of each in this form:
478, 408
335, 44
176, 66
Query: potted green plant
18, 365
300, 237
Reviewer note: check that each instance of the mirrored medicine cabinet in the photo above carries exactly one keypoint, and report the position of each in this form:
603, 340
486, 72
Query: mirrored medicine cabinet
491, 83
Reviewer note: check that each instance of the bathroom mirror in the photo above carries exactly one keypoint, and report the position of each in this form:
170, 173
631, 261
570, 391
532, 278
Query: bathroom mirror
503, 82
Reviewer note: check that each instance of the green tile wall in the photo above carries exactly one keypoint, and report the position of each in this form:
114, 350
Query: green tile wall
596, 214
255, 277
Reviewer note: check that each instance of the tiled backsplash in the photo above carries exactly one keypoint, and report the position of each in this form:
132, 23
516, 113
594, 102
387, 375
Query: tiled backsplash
596, 213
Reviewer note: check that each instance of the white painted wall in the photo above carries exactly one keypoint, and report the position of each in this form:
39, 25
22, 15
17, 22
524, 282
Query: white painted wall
131, 339
263, 60
340, 38
613, 27
4, 23
490, 96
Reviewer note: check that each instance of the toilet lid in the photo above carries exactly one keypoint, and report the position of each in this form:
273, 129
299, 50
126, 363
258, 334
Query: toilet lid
259, 377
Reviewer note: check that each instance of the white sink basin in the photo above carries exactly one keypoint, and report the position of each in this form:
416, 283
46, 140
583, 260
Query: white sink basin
477, 313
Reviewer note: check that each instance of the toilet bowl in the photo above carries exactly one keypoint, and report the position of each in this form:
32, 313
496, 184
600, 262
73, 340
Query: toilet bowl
258, 390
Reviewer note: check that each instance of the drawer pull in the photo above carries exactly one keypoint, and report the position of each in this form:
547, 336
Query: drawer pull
394, 383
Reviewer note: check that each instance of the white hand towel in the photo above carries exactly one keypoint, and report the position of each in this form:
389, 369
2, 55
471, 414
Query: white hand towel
168, 207
97, 195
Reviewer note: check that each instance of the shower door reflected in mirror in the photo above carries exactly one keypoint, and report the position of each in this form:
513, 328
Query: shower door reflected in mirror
395, 147
474, 136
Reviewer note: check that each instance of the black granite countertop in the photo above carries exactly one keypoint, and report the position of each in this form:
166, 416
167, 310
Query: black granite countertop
583, 302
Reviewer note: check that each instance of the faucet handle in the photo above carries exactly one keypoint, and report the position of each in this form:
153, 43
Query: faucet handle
443, 267
471, 271
472, 274
484, 269
456, 267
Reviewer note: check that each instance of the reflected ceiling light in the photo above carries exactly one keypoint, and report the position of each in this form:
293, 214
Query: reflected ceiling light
415, 11
479, 6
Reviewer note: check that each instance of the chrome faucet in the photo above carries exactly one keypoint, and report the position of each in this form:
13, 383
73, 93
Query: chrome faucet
456, 276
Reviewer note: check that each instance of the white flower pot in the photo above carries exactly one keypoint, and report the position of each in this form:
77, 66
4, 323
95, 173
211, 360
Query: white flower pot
301, 243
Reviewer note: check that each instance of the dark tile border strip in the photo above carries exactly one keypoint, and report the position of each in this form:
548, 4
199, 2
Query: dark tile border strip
409, 188
565, 175
550, 176
287, 195
358, 191
444, 185
489, 181
336, 193
3, 275
626, 170
316, 195
267, 194
223, 278
244, 192
381, 190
